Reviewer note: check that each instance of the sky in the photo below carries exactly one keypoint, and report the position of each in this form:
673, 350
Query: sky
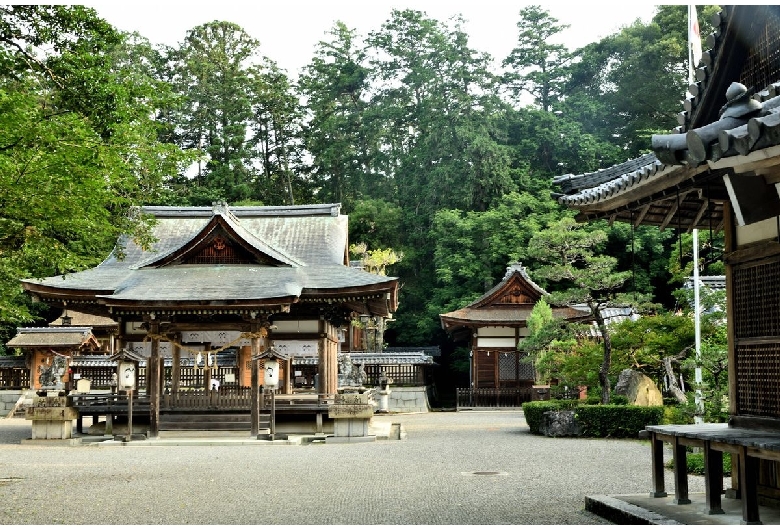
288, 30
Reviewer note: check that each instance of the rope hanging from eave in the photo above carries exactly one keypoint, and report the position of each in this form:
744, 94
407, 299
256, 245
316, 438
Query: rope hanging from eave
679, 230
197, 354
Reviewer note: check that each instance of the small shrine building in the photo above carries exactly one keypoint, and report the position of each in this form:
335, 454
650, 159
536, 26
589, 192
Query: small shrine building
494, 324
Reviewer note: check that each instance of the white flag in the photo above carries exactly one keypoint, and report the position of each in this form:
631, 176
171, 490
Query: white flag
694, 41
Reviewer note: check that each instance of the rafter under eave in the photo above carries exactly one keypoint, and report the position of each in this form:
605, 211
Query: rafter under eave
705, 205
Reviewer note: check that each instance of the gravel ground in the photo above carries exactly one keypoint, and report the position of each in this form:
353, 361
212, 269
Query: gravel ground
428, 478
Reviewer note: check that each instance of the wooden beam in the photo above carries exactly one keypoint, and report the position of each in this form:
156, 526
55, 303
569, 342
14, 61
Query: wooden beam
699, 215
669, 215
642, 213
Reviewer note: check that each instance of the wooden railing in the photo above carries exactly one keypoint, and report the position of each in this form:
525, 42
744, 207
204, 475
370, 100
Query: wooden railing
235, 399
492, 397
201, 399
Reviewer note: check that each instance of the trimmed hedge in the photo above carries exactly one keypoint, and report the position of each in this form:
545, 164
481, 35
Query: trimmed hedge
617, 421
597, 421
533, 411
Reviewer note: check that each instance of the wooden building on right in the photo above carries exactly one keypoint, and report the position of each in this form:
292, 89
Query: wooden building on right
719, 170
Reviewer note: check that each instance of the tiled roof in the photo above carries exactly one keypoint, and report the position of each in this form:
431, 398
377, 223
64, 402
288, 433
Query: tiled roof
379, 358
573, 183
12, 361
70, 337
503, 316
724, 125
500, 305
512, 270
717, 283
85, 319
305, 247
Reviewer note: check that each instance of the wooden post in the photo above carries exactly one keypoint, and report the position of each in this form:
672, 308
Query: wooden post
255, 413
273, 413
680, 472
153, 380
713, 479
748, 484
176, 367
129, 435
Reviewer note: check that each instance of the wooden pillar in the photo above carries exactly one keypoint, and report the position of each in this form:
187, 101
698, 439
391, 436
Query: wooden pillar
255, 383
657, 457
748, 483
323, 366
680, 456
730, 245
288, 376
176, 365
713, 479
153, 380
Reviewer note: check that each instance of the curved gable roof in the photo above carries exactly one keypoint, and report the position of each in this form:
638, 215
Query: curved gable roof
509, 303
222, 218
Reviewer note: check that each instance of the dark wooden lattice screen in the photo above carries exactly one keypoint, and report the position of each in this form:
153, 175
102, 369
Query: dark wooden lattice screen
762, 66
507, 366
756, 295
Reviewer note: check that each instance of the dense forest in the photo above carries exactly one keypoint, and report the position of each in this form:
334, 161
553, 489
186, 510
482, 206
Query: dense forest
431, 152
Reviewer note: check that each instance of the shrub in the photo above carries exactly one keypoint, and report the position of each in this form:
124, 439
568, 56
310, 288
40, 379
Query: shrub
534, 410
618, 399
677, 415
616, 421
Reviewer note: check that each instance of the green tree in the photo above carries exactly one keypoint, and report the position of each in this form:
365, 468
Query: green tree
335, 85
537, 64
571, 259
440, 116
212, 71
631, 84
277, 121
72, 169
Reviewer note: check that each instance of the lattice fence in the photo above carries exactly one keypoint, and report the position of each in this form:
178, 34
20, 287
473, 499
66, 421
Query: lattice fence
756, 319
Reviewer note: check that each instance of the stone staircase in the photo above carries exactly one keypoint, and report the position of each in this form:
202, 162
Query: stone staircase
217, 421
13, 404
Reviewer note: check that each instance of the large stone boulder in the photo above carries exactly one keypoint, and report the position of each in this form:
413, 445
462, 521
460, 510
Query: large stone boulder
559, 423
638, 388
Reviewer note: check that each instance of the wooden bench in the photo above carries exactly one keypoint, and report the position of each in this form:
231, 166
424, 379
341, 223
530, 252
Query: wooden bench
747, 443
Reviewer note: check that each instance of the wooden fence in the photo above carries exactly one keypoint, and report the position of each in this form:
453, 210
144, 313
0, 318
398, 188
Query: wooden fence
492, 397
14, 378
401, 374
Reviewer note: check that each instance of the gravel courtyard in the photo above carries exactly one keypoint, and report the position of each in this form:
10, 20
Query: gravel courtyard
452, 468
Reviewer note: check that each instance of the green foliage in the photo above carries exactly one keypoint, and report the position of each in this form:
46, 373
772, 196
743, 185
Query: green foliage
695, 464
533, 411
597, 421
78, 146
616, 421
571, 260
375, 222
678, 415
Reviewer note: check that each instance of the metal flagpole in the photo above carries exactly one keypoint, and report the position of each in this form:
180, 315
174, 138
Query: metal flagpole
694, 54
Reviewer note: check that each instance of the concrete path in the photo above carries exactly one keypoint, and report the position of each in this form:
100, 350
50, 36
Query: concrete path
469, 468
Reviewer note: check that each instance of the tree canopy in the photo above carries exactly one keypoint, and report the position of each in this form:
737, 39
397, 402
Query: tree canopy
432, 151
